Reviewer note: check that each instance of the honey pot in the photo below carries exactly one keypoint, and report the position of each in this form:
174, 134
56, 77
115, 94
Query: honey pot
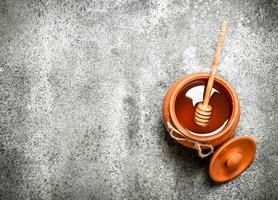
234, 154
201, 111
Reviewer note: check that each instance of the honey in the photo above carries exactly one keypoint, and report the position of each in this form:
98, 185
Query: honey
192, 94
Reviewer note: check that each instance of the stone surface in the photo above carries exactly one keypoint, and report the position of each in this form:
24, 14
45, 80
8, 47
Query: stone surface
82, 84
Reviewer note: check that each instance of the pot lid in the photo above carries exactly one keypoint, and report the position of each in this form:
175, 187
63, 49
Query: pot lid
232, 158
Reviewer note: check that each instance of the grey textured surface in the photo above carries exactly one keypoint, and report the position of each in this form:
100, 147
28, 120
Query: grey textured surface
82, 85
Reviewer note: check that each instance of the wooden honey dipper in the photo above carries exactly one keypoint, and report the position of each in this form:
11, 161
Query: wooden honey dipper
203, 110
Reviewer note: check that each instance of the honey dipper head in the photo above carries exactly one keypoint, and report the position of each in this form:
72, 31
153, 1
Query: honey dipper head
202, 114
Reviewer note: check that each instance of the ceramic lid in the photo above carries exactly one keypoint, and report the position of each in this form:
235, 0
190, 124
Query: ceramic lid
232, 158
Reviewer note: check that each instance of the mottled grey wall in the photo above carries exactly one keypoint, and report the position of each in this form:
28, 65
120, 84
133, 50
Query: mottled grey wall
82, 84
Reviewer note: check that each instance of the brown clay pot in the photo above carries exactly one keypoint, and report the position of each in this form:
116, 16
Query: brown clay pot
231, 160
169, 114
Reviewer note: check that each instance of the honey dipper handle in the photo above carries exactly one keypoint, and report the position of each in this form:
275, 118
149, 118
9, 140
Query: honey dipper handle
215, 61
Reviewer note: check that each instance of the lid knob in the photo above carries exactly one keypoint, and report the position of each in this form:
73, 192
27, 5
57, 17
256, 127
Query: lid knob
234, 160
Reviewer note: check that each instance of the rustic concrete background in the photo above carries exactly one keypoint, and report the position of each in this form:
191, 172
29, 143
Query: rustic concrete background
82, 85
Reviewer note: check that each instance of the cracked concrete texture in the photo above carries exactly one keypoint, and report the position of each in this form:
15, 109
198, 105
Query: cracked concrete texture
82, 85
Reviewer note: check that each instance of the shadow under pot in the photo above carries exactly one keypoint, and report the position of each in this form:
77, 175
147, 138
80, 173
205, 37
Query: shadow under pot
234, 154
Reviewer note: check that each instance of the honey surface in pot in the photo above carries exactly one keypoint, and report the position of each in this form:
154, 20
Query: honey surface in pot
192, 94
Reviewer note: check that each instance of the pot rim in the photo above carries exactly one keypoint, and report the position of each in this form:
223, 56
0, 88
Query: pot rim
223, 83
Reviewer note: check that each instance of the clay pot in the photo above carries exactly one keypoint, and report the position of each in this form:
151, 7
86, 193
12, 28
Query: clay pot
169, 113
208, 142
